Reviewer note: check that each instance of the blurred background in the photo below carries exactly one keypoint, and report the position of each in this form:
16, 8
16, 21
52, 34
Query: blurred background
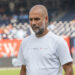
14, 25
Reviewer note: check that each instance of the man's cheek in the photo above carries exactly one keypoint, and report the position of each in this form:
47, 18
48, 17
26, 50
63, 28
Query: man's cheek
40, 24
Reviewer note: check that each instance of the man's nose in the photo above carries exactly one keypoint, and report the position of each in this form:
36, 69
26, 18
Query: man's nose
33, 21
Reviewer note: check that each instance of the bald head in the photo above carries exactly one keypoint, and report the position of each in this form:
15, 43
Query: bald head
41, 8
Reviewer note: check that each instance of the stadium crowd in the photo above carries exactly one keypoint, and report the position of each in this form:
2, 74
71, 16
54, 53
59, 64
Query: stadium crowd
14, 22
15, 31
22, 30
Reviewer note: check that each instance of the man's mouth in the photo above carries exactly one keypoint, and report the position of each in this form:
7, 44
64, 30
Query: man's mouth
35, 28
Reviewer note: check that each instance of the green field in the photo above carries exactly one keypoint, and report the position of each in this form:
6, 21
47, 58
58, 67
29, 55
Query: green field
10, 72
17, 71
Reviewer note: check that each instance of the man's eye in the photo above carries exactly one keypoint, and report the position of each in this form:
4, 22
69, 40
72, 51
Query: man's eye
36, 18
30, 19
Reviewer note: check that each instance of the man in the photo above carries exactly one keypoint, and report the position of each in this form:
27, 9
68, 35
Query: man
43, 53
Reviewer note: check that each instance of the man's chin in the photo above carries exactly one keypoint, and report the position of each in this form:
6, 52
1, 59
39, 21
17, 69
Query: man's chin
39, 33
36, 31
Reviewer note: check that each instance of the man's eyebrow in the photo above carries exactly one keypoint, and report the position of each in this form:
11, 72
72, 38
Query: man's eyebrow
36, 18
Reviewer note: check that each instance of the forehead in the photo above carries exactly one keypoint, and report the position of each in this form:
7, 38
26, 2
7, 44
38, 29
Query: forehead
35, 13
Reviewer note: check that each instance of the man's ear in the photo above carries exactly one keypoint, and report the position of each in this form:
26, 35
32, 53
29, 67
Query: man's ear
46, 19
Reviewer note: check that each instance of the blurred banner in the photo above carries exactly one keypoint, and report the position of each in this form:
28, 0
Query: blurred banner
73, 47
67, 39
9, 48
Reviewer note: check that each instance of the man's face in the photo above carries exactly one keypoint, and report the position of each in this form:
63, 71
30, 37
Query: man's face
37, 22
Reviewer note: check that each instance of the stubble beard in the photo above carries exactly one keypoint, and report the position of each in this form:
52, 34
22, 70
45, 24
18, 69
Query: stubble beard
40, 30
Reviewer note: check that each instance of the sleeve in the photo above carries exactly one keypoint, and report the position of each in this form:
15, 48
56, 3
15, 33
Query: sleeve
63, 52
20, 57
